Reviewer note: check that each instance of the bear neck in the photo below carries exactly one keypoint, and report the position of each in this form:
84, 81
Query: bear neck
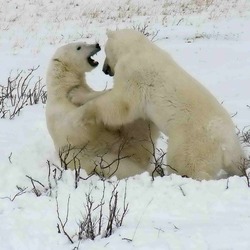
66, 81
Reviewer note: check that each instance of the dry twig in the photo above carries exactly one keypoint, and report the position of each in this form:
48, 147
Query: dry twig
62, 225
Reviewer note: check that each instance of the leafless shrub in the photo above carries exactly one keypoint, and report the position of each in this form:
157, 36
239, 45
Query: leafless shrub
92, 226
112, 219
70, 158
21, 191
38, 189
18, 93
244, 166
94, 221
77, 175
55, 174
35, 189
69, 155
101, 165
87, 227
244, 136
49, 177
157, 158
115, 219
144, 29
61, 225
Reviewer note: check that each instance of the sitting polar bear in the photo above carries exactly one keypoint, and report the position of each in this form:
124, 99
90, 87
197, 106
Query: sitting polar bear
122, 151
149, 84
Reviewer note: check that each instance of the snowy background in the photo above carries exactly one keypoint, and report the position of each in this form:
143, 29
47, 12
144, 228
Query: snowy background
210, 39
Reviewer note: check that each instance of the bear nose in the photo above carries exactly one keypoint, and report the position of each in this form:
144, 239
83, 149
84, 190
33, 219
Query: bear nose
97, 46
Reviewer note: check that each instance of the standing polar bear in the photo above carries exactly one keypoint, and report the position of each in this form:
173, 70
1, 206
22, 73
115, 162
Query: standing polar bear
149, 84
121, 151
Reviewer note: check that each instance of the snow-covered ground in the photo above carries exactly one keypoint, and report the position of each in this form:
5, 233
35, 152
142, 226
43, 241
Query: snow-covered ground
210, 39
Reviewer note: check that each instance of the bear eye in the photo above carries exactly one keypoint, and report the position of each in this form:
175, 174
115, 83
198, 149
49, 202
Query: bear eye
79, 47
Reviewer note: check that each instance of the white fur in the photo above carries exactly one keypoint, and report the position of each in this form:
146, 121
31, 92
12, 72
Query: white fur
67, 89
149, 84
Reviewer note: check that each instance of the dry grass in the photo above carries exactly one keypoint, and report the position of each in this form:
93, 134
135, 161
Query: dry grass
76, 17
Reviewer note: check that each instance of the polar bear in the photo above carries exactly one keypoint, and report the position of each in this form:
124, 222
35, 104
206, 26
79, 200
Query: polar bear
149, 84
121, 151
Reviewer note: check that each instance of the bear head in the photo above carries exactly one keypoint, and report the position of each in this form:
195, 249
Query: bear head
77, 57
119, 44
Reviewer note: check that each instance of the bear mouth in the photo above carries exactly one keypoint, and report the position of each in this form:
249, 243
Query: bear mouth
91, 61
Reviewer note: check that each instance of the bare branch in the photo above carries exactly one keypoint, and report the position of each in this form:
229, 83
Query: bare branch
182, 191
36, 191
144, 29
69, 154
112, 212
125, 206
103, 165
101, 209
157, 157
10, 157
17, 94
21, 192
243, 166
94, 222
60, 220
49, 173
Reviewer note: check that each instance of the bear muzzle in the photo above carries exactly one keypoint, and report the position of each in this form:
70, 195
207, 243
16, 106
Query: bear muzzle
107, 70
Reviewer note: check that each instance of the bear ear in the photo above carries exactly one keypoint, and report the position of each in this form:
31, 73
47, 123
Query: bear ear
109, 33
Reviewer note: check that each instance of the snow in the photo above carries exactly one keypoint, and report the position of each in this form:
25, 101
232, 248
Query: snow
210, 39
